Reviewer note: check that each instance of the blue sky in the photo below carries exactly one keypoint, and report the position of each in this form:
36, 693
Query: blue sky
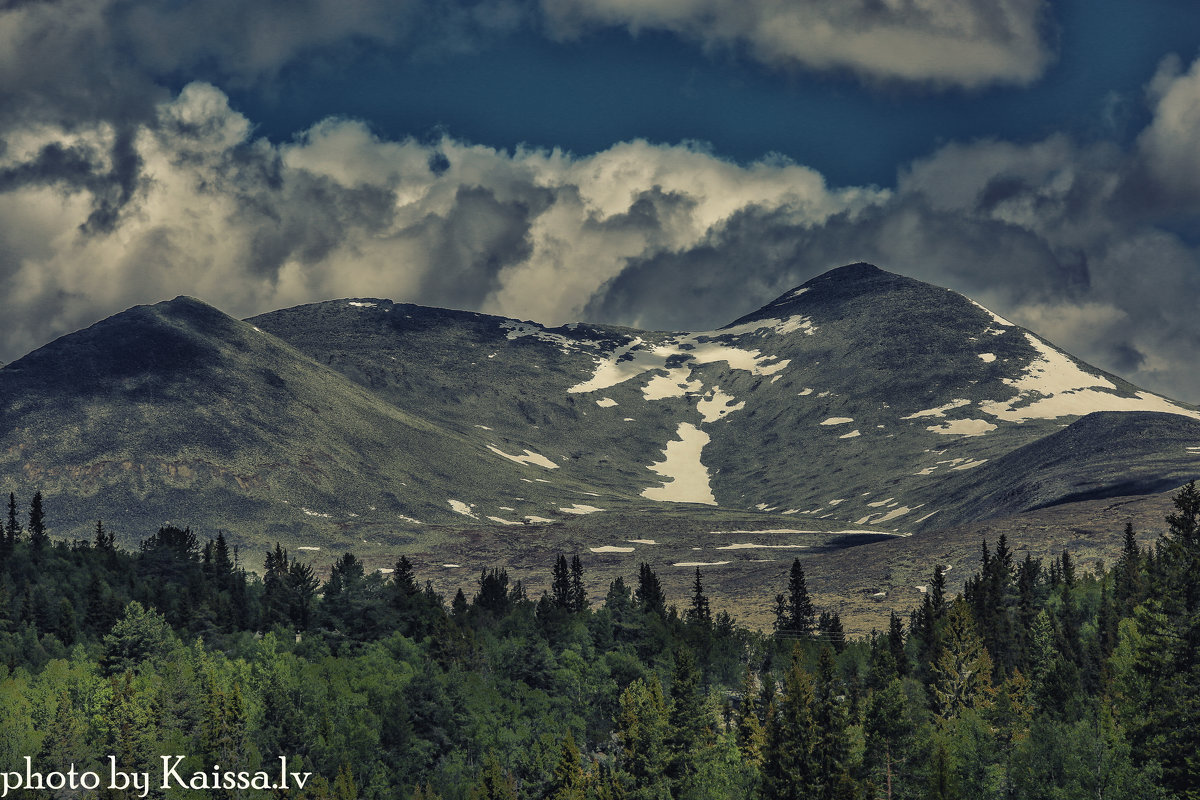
664, 163
611, 86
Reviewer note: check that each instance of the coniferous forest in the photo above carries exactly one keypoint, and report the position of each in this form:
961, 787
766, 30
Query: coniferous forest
1038, 681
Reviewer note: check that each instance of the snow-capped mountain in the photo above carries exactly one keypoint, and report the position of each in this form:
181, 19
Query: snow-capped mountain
861, 399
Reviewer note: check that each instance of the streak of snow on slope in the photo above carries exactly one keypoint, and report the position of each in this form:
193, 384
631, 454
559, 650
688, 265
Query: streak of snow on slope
854, 434
1053, 385
608, 548
538, 519
461, 508
752, 546
999, 320
606, 402
362, 305
971, 464
528, 457
687, 476
963, 427
716, 404
641, 541
699, 563
503, 521
579, 508
838, 421
940, 411
764, 530
637, 358
792, 324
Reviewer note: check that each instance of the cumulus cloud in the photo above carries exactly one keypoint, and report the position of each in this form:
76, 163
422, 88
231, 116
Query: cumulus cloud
965, 43
1082, 243
250, 226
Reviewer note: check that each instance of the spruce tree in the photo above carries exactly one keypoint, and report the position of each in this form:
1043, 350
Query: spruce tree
795, 616
13, 529
578, 595
700, 613
38, 539
560, 583
568, 781
649, 594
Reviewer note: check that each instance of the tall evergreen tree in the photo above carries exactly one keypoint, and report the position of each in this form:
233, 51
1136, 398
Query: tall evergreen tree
13, 529
649, 594
38, 539
795, 616
790, 769
560, 583
578, 595
699, 613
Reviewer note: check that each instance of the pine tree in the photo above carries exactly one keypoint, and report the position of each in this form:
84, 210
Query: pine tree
38, 539
796, 615
578, 595
751, 738
649, 594
963, 672
689, 722
13, 529
700, 613
831, 748
641, 732
790, 770
568, 782
560, 583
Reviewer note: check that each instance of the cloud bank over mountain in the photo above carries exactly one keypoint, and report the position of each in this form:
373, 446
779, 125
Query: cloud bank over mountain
116, 188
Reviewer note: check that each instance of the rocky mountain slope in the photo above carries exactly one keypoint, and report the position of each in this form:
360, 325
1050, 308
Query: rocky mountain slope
861, 401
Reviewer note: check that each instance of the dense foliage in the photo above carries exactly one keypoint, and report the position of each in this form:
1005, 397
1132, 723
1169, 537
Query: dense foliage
1037, 682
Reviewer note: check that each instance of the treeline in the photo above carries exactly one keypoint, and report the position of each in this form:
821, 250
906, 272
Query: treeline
1039, 681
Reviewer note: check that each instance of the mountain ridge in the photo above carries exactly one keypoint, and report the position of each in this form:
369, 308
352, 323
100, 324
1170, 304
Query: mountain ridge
859, 401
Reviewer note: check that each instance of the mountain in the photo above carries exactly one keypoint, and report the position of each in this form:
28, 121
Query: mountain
861, 396
856, 407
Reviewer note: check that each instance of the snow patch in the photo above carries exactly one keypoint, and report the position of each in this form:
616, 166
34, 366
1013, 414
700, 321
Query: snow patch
971, 464
579, 508
804, 392
641, 541
963, 427
716, 404
851, 435
674, 384
752, 546
838, 421
763, 530
461, 508
1054, 385
987, 358
362, 305
312, 513
606, 402
699, 563
503, 521
528, 457
940, 411
608, 548
534, 519
306, 547
687, 476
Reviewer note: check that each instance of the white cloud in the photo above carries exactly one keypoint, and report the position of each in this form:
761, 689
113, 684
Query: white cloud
1169, 143
967, 43
251, 226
